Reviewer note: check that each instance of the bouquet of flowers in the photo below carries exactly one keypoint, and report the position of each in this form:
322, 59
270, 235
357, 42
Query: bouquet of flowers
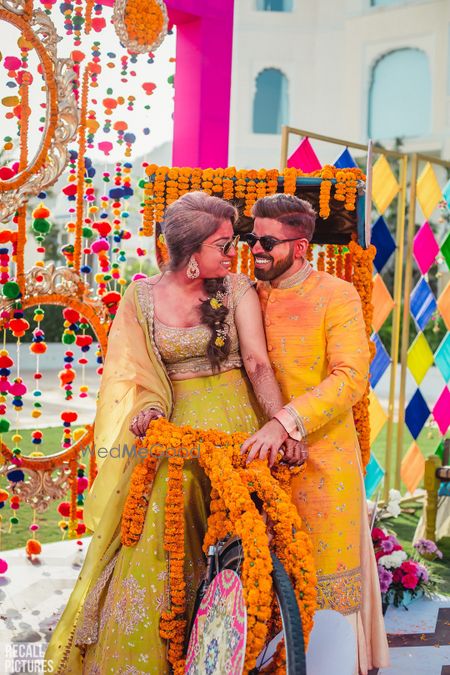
401, 578
427, 549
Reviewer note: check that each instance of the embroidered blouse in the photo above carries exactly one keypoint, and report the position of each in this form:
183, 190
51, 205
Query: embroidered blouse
184, 349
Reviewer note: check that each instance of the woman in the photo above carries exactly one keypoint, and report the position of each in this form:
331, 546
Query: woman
188, 344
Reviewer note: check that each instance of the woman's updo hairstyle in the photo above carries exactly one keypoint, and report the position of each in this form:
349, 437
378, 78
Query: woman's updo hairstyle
188, 222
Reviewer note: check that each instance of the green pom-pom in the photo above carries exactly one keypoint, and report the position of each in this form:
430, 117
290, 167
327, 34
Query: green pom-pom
88, 232
41, 225
68, 338
13, 520
11, 290
4, 425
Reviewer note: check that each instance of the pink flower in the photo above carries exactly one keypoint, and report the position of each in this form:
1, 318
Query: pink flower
378, 534
410, 581
397, 576
410, 567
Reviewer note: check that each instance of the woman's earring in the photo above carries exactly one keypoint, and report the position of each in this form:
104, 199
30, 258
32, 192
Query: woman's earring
193, 270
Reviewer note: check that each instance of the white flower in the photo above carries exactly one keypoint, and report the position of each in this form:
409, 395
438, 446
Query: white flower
392, 560
393, 508
394, 495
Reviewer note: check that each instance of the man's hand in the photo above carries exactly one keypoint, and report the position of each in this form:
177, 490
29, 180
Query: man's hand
295, 452
266, 442
139, 423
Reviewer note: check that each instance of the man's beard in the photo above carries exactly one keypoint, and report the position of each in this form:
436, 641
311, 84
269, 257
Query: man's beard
275, 271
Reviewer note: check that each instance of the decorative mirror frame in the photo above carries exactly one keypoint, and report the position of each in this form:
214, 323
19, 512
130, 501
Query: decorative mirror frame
62, 113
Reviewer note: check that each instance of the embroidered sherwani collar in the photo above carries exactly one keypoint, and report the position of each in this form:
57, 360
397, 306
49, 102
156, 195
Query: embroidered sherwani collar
296, 278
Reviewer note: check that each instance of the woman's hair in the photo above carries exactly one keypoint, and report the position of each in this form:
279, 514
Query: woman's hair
288, 210
188, 222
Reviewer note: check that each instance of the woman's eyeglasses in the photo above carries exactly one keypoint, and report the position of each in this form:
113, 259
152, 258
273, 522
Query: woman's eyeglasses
267, 243
227, 246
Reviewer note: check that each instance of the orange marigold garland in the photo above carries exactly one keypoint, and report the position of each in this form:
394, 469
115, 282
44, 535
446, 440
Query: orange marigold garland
340, 263
331, 260
321, 261
146, 33
362, 260
232, 510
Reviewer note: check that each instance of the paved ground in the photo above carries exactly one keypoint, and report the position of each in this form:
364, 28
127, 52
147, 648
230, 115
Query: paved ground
33, 595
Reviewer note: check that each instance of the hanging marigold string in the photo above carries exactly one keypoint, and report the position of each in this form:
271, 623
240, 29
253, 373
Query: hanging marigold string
232, 512
331, 259
340, 263
321, 261
362, 280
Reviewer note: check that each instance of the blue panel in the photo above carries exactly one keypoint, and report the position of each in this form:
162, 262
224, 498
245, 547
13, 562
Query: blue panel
374, 476
416, 414
345, 160
380, 362
383, 241
423, 304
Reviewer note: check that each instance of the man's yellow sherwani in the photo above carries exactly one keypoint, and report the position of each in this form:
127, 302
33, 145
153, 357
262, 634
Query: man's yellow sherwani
318, 347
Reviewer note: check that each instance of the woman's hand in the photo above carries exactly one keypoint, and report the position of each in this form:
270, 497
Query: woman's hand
295, 453
266, 442
139, 423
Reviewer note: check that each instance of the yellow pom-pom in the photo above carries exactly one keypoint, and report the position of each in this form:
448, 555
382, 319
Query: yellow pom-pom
78, 433
36, 453
36, 413
17, 438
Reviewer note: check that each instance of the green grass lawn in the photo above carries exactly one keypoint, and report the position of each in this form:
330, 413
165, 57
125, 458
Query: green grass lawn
17, 535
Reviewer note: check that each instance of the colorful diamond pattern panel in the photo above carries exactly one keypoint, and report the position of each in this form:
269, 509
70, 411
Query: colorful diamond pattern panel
425, 247
423, 304
380, 363
416, 414
378, 416
384, 184
420, 358
412, 467
429, 193
443, 304
442, 358
382, 301
441, 411
374, 476
383, 241
445, 250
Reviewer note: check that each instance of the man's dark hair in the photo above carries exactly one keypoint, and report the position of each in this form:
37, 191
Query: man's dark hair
288, 210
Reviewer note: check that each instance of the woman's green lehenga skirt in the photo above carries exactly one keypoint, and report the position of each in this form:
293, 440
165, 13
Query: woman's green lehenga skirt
113, 625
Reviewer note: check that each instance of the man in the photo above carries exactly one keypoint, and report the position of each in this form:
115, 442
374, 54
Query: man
317, 343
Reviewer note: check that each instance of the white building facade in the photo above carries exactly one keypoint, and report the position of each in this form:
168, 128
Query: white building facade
351, 69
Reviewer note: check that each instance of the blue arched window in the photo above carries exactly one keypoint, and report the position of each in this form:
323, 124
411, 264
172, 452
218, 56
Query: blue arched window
271, 102
275, 5
400, 95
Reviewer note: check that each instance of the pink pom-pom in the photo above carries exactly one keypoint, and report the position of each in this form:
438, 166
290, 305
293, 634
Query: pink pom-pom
34, 527
82, 484
3, 566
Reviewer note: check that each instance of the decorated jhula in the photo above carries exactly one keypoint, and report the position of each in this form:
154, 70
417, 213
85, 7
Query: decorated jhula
232, 512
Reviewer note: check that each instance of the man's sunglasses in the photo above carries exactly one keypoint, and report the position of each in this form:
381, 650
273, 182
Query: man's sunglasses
227, 246
267, 243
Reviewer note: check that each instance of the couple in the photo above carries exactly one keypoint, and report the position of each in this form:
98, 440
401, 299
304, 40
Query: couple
190, 344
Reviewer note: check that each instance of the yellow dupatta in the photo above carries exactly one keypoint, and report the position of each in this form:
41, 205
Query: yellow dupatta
133, 378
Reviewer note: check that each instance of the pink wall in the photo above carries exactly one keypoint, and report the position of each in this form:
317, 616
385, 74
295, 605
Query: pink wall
202, 81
